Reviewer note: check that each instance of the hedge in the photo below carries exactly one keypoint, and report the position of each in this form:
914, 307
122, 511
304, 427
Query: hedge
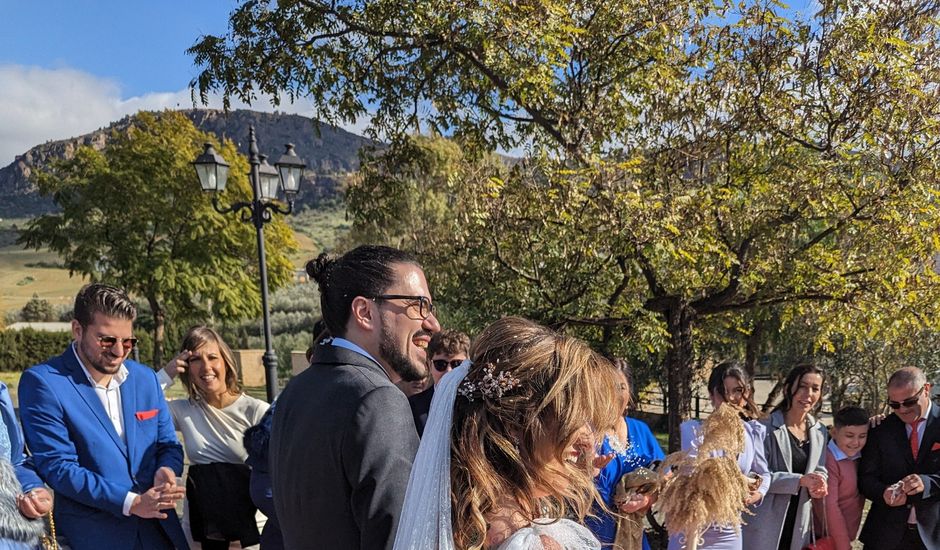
21, 349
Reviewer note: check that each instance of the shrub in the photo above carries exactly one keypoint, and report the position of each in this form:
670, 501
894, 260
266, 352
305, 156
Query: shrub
38, 310
20, 349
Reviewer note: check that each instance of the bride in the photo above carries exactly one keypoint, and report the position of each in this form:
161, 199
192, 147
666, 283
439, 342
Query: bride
507, 449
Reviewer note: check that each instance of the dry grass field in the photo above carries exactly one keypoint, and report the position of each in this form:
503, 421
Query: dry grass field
27, 272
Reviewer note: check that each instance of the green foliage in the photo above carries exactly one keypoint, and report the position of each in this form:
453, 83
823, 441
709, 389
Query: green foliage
411, 186
37, 309
294, 310
693, 169
493, 73
325, 225
133, 215
20, 349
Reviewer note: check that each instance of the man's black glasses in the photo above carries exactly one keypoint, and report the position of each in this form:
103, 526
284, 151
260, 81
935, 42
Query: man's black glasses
440, 365
425, 306
909, 402
107, 342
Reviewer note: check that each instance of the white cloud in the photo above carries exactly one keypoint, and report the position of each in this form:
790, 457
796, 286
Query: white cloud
40, 105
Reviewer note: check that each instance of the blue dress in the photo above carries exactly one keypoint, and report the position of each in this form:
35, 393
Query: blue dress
640, 450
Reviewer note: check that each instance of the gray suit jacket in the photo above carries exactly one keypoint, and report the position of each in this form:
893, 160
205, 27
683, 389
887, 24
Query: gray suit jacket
764, 528
342, 446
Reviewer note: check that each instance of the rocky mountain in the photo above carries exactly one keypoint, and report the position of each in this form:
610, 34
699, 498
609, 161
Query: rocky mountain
328, 151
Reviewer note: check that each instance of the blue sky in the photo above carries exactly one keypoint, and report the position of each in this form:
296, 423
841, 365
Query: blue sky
71, 67
139, 45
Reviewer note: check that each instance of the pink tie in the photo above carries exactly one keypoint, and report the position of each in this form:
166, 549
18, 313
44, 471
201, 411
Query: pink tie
915, 439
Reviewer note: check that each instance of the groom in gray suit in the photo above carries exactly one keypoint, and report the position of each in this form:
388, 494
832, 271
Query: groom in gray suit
343, 439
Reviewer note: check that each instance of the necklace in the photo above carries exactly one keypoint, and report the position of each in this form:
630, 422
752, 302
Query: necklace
615, 444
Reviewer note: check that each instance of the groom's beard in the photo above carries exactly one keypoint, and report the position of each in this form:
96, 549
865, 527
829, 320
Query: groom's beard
408, 369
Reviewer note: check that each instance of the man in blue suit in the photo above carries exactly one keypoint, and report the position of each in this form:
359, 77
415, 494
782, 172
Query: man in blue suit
101, 435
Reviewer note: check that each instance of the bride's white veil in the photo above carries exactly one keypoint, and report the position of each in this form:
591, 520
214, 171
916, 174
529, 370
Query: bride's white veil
425, 519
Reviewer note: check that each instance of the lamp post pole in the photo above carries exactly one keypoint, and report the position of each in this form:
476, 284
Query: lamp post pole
257, 214
213, 172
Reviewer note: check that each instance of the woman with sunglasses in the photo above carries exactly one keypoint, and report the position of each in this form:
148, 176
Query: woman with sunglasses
213, 420
795, 449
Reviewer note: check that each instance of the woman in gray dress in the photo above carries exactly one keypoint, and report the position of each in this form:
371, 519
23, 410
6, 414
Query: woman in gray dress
795, 448
729, 383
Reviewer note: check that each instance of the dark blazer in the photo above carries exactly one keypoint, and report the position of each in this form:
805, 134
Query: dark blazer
80, 456
420, 407
886, 458
342, 446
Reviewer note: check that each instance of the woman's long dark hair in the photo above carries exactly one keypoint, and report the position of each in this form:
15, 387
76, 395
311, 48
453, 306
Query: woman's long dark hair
716, 384
793, 378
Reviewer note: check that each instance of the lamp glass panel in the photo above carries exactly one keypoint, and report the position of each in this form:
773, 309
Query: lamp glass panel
268, 186
221, 174
207, 178
290, 178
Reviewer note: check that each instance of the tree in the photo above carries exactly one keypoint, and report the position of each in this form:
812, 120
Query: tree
690, 166
37, 309
133, 215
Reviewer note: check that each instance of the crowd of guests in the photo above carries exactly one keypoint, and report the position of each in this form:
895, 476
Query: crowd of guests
403, 435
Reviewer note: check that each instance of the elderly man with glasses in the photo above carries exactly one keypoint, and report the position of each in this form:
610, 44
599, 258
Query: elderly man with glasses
900, 469
101, 435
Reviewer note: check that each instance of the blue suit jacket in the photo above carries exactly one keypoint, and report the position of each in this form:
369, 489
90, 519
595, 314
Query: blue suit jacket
80, 456
25, 471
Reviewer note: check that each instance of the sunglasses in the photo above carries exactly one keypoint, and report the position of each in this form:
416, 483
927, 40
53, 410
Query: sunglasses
909, 402
441, 365
107, 342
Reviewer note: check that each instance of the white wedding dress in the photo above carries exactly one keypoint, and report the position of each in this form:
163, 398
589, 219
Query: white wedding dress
568, 534
425, 520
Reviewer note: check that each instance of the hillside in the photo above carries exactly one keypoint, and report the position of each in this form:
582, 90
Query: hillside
328, 153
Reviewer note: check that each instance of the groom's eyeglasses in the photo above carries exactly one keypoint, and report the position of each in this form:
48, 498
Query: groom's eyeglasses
418, 305
440, 365
909, 402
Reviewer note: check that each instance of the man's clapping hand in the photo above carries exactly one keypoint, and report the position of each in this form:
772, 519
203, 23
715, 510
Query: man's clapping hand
163, 495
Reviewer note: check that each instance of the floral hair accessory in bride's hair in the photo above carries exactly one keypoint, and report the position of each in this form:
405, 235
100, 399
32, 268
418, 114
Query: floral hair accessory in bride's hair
489, 386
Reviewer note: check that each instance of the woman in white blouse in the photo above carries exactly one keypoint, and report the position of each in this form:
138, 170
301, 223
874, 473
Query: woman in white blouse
213, 420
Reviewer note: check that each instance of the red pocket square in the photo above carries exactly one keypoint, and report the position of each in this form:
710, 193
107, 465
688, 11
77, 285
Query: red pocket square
146, 415
935, 446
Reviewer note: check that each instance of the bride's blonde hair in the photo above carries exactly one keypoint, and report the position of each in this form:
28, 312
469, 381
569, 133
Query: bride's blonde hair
508, 448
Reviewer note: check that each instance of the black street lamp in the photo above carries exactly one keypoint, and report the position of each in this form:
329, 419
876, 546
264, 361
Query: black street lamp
265, 179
